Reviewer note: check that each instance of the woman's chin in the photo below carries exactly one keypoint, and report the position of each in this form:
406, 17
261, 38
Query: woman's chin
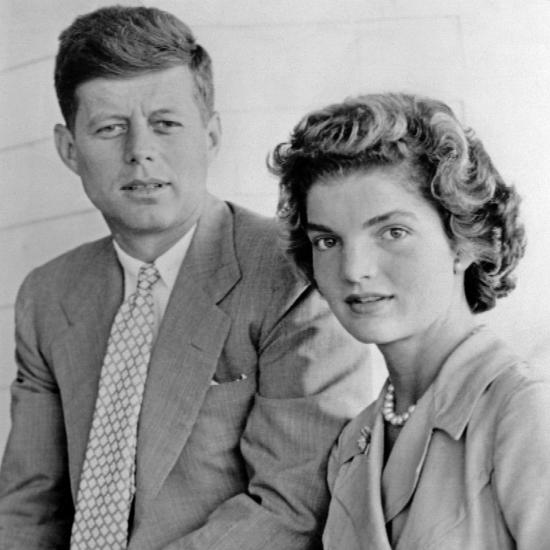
368, 334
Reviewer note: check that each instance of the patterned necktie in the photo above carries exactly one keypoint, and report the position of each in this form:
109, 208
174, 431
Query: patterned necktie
107, 483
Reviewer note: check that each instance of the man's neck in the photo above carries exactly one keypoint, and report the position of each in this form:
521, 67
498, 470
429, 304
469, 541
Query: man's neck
148, 247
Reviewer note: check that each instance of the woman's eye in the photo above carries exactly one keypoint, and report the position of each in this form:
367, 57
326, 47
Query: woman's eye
395, 233
323, 243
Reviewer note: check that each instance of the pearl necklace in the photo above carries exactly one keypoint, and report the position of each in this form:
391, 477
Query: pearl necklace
388, 410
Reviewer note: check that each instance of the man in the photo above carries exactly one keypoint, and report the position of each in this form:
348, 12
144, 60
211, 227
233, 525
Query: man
187, 317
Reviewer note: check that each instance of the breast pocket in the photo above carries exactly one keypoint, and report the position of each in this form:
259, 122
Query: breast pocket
224, 411
211, 463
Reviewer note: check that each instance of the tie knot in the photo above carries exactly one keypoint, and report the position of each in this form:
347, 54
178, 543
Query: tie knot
148, 275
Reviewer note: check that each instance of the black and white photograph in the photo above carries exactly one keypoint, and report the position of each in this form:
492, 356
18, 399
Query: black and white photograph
275, 275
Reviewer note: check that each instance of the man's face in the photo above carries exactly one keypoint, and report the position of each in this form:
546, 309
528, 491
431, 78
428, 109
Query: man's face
142, 151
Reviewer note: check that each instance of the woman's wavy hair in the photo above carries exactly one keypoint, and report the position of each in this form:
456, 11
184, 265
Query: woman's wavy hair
447, 162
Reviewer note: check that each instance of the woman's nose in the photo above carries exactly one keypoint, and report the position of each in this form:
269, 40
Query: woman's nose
358, 262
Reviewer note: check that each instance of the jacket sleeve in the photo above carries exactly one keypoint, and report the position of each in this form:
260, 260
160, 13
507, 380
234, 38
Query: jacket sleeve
522, 453
35, 502
312, 378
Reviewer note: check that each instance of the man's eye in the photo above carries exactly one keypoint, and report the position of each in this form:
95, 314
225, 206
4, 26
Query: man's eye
166, 124
111, 129
324, 243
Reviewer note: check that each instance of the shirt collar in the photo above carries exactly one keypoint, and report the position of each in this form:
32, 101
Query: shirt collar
168, 264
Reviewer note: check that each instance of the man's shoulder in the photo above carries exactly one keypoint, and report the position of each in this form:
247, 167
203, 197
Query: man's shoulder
252, 226
260, 246
67, 266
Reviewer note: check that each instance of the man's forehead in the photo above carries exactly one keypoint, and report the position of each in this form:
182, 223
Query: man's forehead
167, 89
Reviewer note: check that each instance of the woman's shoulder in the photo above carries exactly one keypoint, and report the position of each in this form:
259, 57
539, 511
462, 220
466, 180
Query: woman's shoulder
519, 402
515, 405
519, 383
484, 379
523, 396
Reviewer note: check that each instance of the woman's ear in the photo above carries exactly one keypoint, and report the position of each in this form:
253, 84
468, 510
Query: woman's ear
464, 258
65, 145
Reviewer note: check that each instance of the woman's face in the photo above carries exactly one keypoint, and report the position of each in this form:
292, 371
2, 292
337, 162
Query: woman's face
381, 257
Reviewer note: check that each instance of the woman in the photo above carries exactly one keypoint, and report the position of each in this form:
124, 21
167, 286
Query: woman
397, 214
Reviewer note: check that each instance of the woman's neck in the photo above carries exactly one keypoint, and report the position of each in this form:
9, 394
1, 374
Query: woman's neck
414, 362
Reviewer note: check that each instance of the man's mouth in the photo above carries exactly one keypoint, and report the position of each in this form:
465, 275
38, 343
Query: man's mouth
145, 185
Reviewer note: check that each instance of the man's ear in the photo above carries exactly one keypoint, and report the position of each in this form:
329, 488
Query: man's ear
64, 143
213, 136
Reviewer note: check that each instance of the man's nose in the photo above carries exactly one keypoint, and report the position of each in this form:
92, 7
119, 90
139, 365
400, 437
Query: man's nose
140, 144
359, 261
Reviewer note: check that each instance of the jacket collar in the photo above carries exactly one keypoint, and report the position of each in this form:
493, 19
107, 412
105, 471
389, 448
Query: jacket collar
212, 258
357, 438
185, 354
97, 268
358, 493
447, 405
465, 375
190, 340
77, 353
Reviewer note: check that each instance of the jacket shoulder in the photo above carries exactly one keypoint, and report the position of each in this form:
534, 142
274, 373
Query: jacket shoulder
59, 273
260, 247
519, 385
514, 376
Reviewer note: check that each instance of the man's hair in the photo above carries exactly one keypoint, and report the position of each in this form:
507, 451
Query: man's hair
447, 163
120, 42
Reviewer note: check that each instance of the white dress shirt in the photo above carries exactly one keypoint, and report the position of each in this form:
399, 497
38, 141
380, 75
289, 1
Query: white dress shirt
168, 265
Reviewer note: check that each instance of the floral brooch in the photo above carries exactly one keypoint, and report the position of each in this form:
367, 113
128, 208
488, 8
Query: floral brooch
364, 439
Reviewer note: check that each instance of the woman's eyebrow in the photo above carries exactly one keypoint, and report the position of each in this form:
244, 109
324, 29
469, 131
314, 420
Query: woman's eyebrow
317, 227
387, 216
311, 226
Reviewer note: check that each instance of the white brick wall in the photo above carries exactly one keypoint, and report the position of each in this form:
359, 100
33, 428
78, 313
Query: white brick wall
274, 61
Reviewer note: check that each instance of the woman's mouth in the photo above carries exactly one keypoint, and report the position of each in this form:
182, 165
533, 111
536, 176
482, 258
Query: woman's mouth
368, 302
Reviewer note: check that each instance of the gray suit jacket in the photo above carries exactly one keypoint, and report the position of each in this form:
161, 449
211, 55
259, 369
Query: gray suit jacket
235, 465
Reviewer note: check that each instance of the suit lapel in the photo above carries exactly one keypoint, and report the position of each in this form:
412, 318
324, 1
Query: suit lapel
78, 353
187, 350
360, 493
404, 465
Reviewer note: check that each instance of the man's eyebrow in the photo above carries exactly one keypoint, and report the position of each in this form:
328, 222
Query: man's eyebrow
165, 111
100, 116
